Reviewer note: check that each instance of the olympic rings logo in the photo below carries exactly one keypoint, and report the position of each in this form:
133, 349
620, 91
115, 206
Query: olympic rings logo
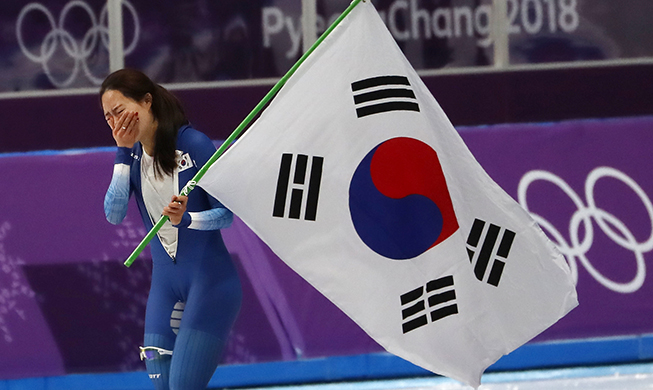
79, 51
609, 224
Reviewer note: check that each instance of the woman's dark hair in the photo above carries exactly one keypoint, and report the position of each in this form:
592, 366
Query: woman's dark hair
166, 110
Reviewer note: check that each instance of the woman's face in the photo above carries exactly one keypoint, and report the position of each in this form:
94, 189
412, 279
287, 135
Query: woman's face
115, 105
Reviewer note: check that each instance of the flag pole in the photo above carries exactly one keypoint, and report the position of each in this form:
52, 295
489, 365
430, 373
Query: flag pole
266, 99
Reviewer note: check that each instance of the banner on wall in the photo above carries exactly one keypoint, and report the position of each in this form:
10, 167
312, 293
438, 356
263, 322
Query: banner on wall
54, 44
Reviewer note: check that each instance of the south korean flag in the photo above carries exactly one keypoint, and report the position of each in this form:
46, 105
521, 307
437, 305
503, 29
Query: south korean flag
358, 181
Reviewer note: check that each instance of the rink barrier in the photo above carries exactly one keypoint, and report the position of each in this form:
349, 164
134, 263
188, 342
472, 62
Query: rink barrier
375, 366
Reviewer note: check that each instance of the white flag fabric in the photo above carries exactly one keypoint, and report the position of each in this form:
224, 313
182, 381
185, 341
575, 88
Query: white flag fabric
357, 180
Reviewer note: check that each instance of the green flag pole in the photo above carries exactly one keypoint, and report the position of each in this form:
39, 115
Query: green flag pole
266, 99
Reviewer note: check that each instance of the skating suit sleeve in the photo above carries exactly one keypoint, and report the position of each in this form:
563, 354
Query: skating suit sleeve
117, 196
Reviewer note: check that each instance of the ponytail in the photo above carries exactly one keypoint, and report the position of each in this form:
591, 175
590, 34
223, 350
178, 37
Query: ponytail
170, 116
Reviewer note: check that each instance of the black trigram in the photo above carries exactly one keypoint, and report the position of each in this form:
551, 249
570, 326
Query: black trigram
440, 297
485, 250
386, 93
297, 190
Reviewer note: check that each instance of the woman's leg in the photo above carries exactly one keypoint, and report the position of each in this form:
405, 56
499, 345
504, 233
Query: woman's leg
158, 333
158, 368
210, 312
195, 359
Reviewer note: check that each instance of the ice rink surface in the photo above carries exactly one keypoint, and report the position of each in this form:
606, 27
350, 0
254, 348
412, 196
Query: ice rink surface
621, 377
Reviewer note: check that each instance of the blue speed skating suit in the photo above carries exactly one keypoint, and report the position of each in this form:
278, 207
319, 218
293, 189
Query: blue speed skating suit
196, 271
